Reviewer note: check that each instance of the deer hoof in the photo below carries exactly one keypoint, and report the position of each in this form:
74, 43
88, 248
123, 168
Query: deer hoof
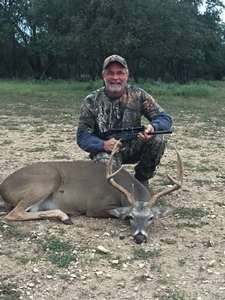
67, 222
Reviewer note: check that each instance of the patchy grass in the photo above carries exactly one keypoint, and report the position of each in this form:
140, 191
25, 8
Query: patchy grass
140, 253
59, 252
191, 225
45, 113
179, 295
11, 229
220, 204
7, 142
9, 291
40, 129
156, 267
189, 213
43, 148
62, 157
25, 260
181, 262
202, 182
61, 100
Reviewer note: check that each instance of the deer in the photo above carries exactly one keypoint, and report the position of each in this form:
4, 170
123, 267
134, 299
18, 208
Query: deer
59, 189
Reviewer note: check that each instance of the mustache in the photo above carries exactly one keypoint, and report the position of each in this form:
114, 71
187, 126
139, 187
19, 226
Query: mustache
115, 81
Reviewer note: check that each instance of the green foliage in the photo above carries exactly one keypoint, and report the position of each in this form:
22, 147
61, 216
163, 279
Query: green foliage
181, 262
59, 102
141, 253
7, 142
169, 40
55, 245
185, 212
221, 204
9, 291
179, 295
62, 260
60, 252
24, 260
11, 229
156, 267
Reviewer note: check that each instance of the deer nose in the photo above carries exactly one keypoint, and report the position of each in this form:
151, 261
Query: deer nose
140, 238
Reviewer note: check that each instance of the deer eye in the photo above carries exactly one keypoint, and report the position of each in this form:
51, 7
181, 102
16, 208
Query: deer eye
150, 218
131, 218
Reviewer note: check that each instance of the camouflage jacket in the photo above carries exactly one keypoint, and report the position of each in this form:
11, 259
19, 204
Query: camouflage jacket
100, 113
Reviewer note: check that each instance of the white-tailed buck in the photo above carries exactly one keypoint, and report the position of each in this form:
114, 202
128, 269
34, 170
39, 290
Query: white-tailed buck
59, 189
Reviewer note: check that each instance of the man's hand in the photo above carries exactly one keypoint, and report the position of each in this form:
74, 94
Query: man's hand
145, 136
108, 145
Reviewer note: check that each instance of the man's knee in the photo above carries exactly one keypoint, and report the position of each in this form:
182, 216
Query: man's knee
104, 158
155, 147
150, 157
160, 145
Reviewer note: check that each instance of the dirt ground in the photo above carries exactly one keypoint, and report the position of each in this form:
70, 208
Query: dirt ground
188, 260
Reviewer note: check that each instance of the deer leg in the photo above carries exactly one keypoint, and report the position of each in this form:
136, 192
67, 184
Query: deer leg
19, 213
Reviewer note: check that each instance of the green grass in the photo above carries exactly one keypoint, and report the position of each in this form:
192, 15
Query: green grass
55, 249
59, 252
195, 213
24, 260
200, 182
140, 253
220, 204
7, 142
97, 229
40, 103
191, 225
179, 295
9, 291
12, 230
156, 267
61, 100
181, 262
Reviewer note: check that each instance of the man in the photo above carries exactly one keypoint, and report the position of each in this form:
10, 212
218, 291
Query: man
119, 105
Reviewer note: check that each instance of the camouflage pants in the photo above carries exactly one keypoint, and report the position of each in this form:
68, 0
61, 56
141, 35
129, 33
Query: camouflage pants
146, 154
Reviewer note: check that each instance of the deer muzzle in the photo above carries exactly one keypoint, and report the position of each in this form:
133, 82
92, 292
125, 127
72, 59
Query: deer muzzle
140, 238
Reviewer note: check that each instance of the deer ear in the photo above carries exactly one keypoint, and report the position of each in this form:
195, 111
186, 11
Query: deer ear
121, 212
162, 211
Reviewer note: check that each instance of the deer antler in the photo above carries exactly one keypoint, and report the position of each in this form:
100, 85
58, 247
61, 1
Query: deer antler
176, 182
110, 175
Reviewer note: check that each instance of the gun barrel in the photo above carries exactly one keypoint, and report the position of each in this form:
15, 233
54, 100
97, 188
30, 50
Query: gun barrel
127, 129
160, 132
129, 133
129, 136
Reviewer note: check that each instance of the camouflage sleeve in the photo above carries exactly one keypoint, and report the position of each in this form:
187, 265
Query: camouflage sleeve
151, 109
158, 118
86, 120
86, 139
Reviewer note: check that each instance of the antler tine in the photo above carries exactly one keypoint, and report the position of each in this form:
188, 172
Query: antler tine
176, 182
110, 175
180, 167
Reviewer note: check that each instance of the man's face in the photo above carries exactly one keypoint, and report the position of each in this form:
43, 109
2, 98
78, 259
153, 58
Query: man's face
115, 77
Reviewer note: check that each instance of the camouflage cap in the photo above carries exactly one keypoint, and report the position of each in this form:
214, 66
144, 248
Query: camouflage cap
117, 58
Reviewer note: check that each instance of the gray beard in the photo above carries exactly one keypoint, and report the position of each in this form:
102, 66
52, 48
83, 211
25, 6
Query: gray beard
114, 90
